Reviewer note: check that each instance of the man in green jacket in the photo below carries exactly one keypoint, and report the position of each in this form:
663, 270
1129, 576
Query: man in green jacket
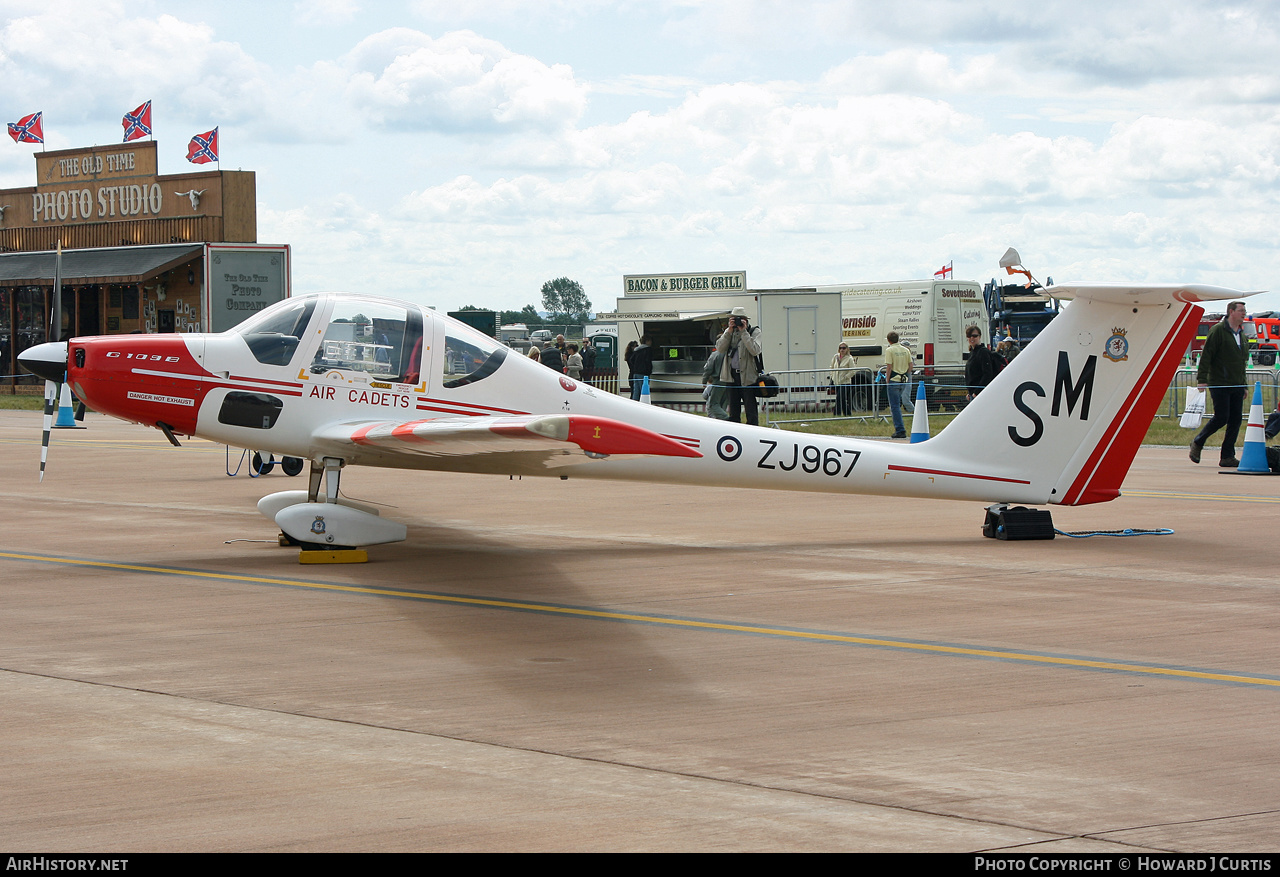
1222, 369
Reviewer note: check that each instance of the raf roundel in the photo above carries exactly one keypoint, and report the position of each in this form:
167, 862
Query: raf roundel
729, 449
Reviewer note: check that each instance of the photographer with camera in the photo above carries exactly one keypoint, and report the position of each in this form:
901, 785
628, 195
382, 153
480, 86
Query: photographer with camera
741, 347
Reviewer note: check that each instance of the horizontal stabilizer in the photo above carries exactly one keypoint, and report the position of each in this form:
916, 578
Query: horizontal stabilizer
1145, 293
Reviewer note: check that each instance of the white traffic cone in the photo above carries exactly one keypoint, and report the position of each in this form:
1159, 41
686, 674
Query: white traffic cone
644, 392
920, 417
1253, 459
66, 410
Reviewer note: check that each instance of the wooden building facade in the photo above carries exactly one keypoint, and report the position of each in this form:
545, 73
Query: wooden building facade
132, 239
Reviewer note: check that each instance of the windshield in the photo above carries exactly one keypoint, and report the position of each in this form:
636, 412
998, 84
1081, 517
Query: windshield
281, 318
273, 335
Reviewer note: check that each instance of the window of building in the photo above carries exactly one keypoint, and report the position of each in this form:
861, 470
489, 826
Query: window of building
30, 327
6, 332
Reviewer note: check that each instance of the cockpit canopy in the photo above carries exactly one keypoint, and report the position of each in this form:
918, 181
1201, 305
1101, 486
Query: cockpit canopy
383, 338
273, 334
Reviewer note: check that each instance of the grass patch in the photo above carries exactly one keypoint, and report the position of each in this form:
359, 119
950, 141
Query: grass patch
21, 403
1165, 431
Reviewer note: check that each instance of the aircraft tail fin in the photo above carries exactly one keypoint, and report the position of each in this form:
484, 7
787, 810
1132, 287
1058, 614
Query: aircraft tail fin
1063, 421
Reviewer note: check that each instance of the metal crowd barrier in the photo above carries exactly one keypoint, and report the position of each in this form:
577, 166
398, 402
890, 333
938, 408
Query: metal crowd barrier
812, 392
1175, 401
807, 393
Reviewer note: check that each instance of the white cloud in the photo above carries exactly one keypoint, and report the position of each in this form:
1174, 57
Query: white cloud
918, 71
461, 81
752, 174
325, 13
529, 11
89, 61
82, 60
849, 141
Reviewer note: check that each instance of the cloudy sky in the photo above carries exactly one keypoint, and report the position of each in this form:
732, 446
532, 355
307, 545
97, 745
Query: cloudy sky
462, 153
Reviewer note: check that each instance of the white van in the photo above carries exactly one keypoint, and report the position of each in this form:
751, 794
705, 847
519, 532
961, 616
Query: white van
930, 317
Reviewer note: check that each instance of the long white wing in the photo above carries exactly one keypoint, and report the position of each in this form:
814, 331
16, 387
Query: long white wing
505, 444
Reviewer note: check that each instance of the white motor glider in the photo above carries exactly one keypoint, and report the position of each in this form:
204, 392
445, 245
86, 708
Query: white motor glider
345, 380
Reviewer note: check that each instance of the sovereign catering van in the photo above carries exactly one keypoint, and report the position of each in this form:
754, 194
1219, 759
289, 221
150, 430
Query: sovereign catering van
930, 317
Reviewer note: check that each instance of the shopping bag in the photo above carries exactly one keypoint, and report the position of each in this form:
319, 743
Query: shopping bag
1194, 410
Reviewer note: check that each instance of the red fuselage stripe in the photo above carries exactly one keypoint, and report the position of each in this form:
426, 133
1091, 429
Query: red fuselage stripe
485, 408
956, 474
452, 411
213, 385
297, 385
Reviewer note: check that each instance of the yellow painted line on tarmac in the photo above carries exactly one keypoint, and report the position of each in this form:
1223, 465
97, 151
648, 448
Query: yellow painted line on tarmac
1214, 497
687, 623
117, 444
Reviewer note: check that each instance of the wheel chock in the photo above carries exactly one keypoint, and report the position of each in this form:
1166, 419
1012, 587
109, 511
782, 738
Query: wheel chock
340, 555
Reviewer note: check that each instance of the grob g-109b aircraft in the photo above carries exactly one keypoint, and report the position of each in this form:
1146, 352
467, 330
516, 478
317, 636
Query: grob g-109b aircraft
344, 380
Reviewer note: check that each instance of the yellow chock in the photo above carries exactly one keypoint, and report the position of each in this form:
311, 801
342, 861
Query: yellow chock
344, 555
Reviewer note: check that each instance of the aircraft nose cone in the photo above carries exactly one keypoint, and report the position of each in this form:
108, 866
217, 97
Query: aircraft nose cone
48, 360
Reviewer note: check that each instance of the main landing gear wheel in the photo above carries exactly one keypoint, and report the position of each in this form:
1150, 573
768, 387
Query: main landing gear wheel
324, 525
288, 465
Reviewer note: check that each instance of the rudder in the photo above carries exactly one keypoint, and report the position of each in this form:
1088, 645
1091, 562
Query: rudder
1067, 416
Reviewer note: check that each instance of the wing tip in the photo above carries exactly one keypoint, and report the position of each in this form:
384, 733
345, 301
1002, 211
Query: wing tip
601, 435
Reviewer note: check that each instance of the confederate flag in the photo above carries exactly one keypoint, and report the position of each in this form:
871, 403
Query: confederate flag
27, 129
203, 148
138, 123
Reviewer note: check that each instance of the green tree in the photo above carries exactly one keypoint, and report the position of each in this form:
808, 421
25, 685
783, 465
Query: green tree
566, 300
529, 316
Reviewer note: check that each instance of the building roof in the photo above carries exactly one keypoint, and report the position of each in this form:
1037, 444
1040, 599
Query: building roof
103, 265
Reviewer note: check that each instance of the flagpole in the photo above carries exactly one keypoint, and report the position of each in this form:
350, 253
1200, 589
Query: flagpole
51, 387
57, 295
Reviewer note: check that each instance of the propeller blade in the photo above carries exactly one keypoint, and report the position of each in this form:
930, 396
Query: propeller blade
50, 393
48, 361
